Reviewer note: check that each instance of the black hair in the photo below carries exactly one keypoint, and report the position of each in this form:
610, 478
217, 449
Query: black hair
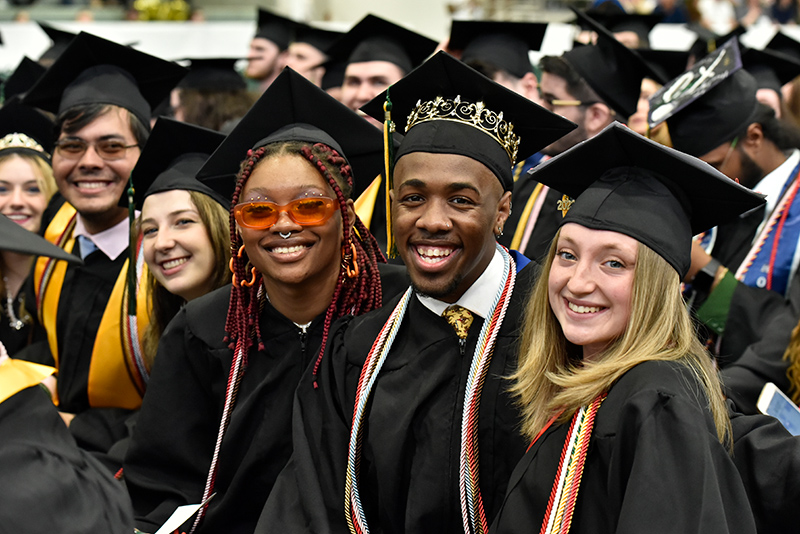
78, 117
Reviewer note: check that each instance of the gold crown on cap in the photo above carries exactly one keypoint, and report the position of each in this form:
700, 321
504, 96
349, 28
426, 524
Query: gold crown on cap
20, 140
475, 115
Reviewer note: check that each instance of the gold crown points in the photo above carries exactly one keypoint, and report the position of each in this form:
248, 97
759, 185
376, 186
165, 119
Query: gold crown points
20, 140
476, 115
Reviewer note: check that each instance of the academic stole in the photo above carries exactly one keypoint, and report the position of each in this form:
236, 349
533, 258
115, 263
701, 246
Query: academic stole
564, 495
472, 510
769, 262
113, 377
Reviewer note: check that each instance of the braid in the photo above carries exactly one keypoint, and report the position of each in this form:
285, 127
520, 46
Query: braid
354, 296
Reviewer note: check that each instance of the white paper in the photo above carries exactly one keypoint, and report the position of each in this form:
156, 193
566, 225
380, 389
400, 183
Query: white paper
178, 517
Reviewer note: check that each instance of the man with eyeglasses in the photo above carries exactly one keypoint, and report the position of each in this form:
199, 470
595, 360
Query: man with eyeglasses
102, 94
742, 273
592, 86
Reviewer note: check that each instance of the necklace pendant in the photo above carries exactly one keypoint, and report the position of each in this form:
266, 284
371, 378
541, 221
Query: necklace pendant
17, 324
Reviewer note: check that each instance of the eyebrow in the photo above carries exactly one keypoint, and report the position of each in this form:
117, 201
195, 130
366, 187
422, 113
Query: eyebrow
101, 138
299, 189
455, 186
605, 246
171, 214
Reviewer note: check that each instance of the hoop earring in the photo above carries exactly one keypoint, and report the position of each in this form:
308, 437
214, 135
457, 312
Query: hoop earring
239, 254
348, 259
246, 283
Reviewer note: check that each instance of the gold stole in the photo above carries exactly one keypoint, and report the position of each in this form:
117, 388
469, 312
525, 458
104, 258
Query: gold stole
113, 377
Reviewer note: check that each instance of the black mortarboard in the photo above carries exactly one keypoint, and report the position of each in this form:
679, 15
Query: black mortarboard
667, 64
174, 153
37, 129
275, 28
316, 37
459, 111
93, 70
23, 78
708, 41
213, 74
376, 39
623, 182
785, 45
616, 20
612, 70
504, 45
292, 108
15, 238
60, 40
709, 104
770, 68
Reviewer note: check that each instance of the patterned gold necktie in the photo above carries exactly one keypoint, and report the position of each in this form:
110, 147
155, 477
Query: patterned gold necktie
459, 318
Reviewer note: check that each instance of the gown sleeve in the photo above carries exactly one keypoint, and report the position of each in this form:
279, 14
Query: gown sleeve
669, 473
161, 470
308, 495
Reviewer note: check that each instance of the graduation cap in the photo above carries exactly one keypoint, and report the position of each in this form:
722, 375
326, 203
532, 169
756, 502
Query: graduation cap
708, 104
213, 74
770, 68
24, 129
93, 70
294, 109
667, 64
623, 182
316, 37
611, 69
15, 238
453, 109
617, 20
23, 78
708, 41
273, 27
504, 45
60, 40
174, 153
785, 45
377, 39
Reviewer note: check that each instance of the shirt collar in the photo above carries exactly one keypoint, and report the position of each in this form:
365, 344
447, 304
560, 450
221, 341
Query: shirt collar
111, 242
479, 297
772, 184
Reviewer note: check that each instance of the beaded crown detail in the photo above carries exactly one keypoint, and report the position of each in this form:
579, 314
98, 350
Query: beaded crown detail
476, 115
20, 140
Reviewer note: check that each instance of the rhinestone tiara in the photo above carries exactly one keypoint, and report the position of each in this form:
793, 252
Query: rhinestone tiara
20, 140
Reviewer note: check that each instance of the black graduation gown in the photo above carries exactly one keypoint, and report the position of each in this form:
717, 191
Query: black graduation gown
172, 445
654, 464
410, 454
49, 485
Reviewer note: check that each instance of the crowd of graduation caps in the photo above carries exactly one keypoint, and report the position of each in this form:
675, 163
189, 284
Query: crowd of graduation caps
63, 476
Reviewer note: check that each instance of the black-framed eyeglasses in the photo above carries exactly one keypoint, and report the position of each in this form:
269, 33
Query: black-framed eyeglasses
107, 149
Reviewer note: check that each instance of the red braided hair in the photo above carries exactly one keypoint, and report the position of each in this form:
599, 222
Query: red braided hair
354, 296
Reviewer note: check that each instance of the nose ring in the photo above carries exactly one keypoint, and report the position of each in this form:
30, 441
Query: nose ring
286, 235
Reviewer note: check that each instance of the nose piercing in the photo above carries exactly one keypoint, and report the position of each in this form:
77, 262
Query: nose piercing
285, 236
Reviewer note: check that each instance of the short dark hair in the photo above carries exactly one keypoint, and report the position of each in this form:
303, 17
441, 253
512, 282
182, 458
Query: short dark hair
78, 117
784, 135
576, 85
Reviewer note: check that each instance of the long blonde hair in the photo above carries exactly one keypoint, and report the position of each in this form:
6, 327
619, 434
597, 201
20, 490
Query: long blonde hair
551, 377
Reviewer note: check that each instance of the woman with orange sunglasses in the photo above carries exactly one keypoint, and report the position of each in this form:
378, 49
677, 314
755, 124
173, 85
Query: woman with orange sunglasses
216, 420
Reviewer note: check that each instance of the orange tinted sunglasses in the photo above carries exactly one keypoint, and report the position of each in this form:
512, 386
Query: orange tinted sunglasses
260, 215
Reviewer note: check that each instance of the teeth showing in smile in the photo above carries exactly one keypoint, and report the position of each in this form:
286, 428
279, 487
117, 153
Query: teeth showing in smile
91, 185
288, 250
171, 264
583, 309
19, 217
433, 254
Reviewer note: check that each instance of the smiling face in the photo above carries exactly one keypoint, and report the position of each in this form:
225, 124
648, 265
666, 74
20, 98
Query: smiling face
446, 210
177, 247
21, 197
310, 252
90, 183
365, 80
590, 285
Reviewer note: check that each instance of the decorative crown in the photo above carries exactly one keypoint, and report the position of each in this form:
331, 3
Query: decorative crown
475, 115
20, 140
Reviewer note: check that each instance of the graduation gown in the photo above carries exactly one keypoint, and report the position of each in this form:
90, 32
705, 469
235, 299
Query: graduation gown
49, 484
654, 464
172, 445
410, 452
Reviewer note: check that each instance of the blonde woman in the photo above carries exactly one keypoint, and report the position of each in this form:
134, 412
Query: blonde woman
618, 397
